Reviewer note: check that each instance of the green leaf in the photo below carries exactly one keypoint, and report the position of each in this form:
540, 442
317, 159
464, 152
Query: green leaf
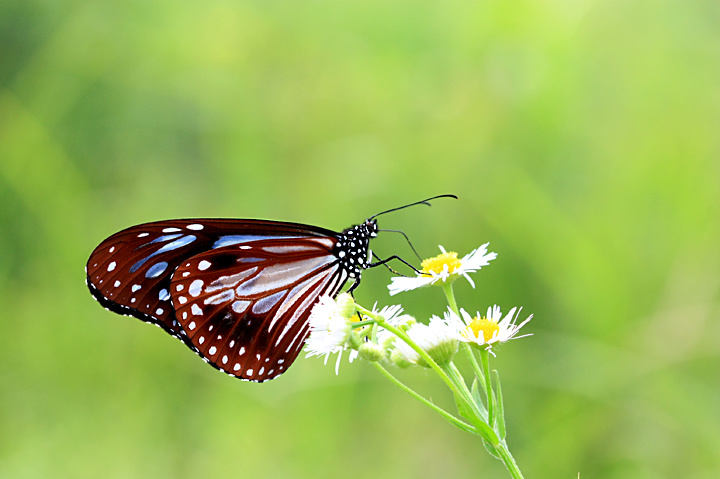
478, 398
464, 409
491, 449
479, 423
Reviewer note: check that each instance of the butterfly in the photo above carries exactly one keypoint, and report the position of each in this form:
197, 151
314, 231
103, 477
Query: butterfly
238, 292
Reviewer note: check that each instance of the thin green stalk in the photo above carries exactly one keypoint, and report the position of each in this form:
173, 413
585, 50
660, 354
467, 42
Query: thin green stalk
475, 365
457, 377
450, 295
366, 322
485, 360
452, 419
508, 460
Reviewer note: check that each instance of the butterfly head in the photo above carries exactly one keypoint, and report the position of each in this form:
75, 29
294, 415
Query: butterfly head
352, 246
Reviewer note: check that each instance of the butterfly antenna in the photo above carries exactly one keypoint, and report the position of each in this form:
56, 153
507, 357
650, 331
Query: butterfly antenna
423, 202
406, 239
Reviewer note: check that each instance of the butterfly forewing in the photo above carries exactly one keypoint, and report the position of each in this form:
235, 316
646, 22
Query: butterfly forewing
245, 307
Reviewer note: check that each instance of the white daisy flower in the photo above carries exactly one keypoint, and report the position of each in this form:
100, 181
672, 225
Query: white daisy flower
444, 267
437, 339
485, 331
330, 329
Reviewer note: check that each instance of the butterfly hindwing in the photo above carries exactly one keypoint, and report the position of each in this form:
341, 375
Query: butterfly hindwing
244, 307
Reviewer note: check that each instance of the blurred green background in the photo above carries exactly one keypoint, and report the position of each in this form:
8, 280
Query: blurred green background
582, 140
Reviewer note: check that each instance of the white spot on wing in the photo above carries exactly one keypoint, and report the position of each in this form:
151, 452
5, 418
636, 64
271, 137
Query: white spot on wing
196, 310
266, 304
142, 235
117, 283
136, 287
195, 226
240, 306
212, 350
159, 311
203, 265
195, 287
170, 230
191, 326
111, 266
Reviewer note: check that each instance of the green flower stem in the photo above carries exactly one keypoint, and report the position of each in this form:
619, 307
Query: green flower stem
485, 360
450, 295
508, 460
367, 322
475, 365
457, 377
482, 428
452, 419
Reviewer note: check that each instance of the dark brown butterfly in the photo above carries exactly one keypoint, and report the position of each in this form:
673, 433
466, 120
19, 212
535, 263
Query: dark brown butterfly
238, 292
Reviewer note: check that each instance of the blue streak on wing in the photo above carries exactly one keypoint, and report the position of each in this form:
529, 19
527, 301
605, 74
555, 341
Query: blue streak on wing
179, 243
229, 240
164, 238
156, 270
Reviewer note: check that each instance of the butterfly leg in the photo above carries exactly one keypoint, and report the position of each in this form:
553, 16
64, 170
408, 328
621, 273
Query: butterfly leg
381, 262
352, 288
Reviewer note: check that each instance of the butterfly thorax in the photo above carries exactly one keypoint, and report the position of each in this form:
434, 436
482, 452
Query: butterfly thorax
352, 247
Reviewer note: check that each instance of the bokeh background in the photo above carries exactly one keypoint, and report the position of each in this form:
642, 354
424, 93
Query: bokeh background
582, 140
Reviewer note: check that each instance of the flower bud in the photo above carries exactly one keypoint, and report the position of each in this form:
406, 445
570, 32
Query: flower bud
436, 340
443, 351
346, 305
399, 361
371, 351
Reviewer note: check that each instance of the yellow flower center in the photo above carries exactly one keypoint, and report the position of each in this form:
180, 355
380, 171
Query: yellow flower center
436, 263
355, 318
488, 327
